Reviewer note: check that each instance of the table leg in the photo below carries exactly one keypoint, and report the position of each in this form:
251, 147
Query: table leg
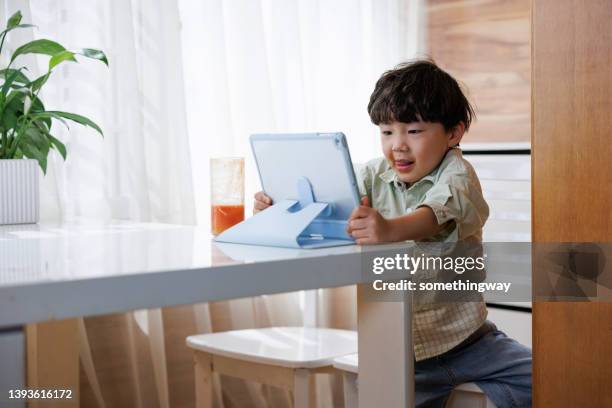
12, 370
386, 356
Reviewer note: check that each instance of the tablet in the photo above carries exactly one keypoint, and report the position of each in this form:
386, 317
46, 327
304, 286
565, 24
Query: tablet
322, 158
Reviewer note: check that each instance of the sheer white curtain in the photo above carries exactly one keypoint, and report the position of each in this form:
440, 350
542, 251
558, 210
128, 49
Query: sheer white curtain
141, 170
286, 66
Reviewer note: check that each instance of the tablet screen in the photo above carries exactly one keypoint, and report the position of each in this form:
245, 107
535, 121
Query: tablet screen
323, 158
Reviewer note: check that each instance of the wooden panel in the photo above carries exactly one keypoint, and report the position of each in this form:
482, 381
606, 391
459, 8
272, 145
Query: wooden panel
121, 354
179, 322
53, 360
572, 186
485, 44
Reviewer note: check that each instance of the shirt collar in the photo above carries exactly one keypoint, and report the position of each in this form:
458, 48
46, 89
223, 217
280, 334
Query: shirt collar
388, 175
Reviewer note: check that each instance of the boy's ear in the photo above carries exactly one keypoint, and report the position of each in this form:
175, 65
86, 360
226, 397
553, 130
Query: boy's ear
455, 134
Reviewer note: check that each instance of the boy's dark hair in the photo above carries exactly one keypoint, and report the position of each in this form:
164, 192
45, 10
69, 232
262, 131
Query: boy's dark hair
419, 91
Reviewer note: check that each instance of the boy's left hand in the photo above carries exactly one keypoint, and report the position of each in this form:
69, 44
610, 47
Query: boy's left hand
367, 226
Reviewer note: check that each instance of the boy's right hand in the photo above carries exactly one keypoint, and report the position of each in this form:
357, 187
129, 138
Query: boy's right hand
262, 201
367, 226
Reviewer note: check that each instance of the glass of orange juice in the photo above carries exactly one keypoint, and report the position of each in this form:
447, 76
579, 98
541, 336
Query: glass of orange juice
227, 192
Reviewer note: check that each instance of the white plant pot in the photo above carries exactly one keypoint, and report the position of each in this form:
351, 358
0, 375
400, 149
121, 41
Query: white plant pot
19, 196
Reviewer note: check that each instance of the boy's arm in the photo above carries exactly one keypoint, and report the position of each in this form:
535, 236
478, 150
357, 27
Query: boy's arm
367, 226
417, 225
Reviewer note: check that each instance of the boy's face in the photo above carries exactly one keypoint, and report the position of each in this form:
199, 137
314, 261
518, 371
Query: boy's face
415, 149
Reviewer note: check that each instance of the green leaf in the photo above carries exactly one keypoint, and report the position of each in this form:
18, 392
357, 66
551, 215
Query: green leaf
53, 142
12, 108
37, 138
16, 93
12, 111
5, 100
14, 21
9, 80
36, 145
37, 106
42, 46
59, 146
78, 119
48, 115
39, 82
94, 54
32, 152
61, 57
10, 120
69, 56
21, 78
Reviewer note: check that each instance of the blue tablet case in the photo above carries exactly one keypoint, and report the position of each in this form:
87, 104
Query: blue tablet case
310, 178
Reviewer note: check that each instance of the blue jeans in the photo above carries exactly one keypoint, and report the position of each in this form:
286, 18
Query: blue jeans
499, 365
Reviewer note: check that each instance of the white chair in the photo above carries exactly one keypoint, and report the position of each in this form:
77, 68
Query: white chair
284, 357
469, 396
464, 396
348, 366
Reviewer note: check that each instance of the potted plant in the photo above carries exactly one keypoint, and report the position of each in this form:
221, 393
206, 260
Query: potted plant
26, 137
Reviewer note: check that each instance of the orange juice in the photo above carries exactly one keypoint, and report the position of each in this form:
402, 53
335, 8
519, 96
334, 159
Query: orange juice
225, 216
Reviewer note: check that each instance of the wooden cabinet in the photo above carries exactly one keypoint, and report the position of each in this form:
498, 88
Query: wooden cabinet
572, 188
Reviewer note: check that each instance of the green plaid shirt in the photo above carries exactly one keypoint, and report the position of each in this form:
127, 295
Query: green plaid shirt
453, 193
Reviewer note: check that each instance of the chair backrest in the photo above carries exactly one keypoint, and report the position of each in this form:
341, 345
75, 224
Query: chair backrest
469, 396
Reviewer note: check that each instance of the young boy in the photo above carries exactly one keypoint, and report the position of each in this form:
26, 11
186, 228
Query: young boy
423, 189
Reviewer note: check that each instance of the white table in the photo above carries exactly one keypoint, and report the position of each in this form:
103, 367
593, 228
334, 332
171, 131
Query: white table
60, 271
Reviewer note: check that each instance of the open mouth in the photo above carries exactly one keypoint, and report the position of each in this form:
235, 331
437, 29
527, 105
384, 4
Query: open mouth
404, 165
